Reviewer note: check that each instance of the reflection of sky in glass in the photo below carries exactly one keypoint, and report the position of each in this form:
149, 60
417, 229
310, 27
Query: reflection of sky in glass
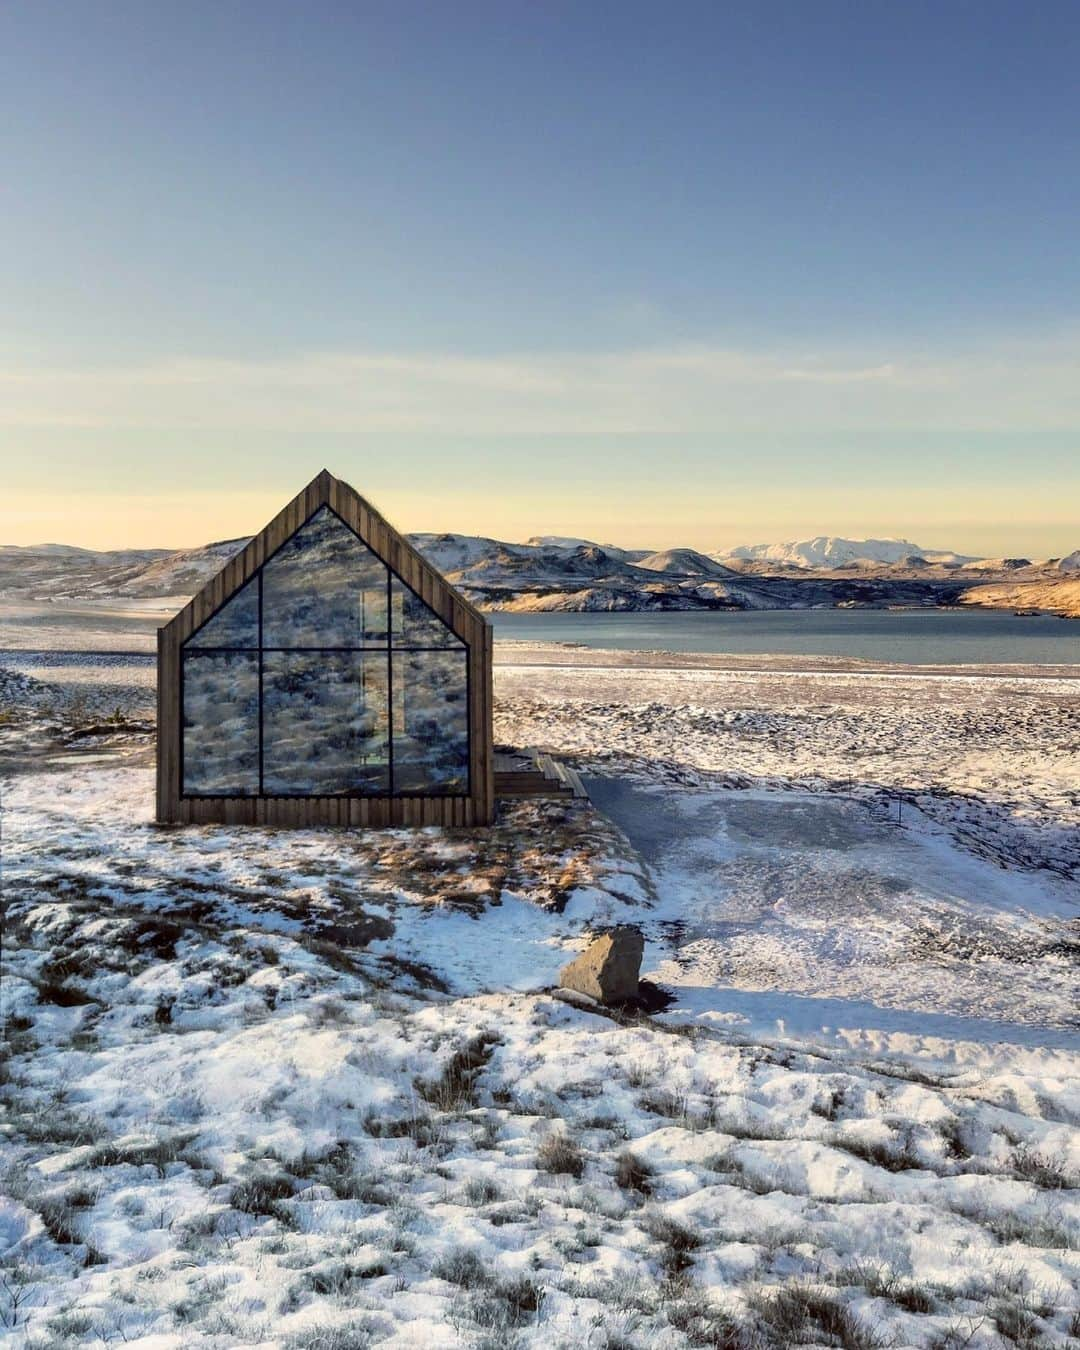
431, 722
324, 588
236, 624
325, 722
326, 715
415, 624
221, 724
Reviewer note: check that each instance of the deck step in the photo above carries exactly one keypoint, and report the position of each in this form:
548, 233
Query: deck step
537, 787
532, 774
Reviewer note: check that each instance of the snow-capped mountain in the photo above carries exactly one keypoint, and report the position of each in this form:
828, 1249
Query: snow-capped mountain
1070, 563
569, 541
685, 562
557, 573
827, 551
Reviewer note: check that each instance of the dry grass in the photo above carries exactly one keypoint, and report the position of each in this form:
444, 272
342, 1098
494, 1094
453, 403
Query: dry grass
1049, 1172
889, 1156
800, 1315
633, 1173
560, 1154
455, 1087
263, 1195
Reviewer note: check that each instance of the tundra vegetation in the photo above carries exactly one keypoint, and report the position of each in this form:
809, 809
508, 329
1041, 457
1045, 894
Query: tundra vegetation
314, 1089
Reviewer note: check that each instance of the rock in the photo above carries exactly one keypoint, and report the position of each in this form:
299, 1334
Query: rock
607, 970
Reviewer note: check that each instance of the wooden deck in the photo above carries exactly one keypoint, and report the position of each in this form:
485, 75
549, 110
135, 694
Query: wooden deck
527, 773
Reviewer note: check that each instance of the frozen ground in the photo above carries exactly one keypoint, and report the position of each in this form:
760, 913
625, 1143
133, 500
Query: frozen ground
993, 760
311, 1089
90, 625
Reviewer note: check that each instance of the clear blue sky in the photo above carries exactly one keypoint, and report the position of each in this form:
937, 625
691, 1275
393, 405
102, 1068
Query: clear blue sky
682, 273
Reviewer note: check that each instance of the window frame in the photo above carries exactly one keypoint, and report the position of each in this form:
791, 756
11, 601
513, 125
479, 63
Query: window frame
460, 645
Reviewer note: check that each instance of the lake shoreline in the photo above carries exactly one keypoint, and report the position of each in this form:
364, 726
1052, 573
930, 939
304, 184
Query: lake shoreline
811, 640
516, 652
511, 653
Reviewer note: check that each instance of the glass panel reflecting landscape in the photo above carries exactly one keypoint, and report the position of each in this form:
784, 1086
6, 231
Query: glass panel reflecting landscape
324, 588
413, 623
221, 724
236, 624
431, 722
327, 727
325, 723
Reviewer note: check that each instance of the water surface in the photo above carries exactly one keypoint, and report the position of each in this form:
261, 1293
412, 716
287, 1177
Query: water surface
916, 637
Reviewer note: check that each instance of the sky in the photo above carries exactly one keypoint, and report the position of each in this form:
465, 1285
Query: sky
681, 274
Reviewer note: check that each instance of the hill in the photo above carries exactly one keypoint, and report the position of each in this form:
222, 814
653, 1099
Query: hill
568, 574
1060, 596
825, 551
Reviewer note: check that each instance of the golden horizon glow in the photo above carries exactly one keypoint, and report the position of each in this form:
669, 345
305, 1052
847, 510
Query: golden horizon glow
974, 448
188, 520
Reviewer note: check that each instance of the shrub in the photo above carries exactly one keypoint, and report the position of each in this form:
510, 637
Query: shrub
1047, 1171
60, 1220
639, 1074
798, 1315
462, 1267
419, 1126
481, 1191
336, 1168
663, 1228
156, 1153
357, 1336
455, 1087
263, 1195
702, 1325
560, 1154
522, 1293
338, 1279
913, 1299
880, 1281
632, 1173
503, 1307
678, 1242
955, 1134
892, 1159
488, 1136
1017, 1324
664, 1102
831, 1106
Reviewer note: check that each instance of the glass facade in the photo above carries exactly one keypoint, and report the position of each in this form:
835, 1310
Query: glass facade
324, 675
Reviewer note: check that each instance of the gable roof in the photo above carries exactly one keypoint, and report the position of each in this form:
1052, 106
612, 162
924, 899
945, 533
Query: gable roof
390, 547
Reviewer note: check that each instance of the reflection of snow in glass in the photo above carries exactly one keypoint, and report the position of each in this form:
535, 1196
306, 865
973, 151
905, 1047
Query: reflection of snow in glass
324, 588
326, 713
415, 624
236, 624
221, 724
431, 722
325, 722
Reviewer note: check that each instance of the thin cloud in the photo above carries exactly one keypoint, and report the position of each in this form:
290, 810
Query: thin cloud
825, 376
652, 391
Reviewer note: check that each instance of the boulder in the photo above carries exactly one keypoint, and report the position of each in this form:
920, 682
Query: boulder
607, 970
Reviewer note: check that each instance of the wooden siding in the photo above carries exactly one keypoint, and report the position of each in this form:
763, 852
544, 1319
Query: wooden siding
457, 613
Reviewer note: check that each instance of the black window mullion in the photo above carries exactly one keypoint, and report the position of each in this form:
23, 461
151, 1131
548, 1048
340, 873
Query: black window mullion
374, 647
390, 648
390, 681
261, 662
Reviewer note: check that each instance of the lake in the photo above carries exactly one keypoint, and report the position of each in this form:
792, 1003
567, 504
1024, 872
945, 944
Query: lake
909, 636
915, 637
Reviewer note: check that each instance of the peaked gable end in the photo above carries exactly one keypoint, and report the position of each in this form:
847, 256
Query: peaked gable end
390, 547
328, 674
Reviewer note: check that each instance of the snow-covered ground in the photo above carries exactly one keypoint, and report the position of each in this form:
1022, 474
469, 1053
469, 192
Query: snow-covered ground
312, 1088
994, 760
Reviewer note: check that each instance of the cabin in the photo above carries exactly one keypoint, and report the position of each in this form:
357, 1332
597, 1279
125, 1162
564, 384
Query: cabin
328, 675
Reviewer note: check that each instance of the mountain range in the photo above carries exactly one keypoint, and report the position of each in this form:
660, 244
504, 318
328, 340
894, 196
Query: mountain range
562, 573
